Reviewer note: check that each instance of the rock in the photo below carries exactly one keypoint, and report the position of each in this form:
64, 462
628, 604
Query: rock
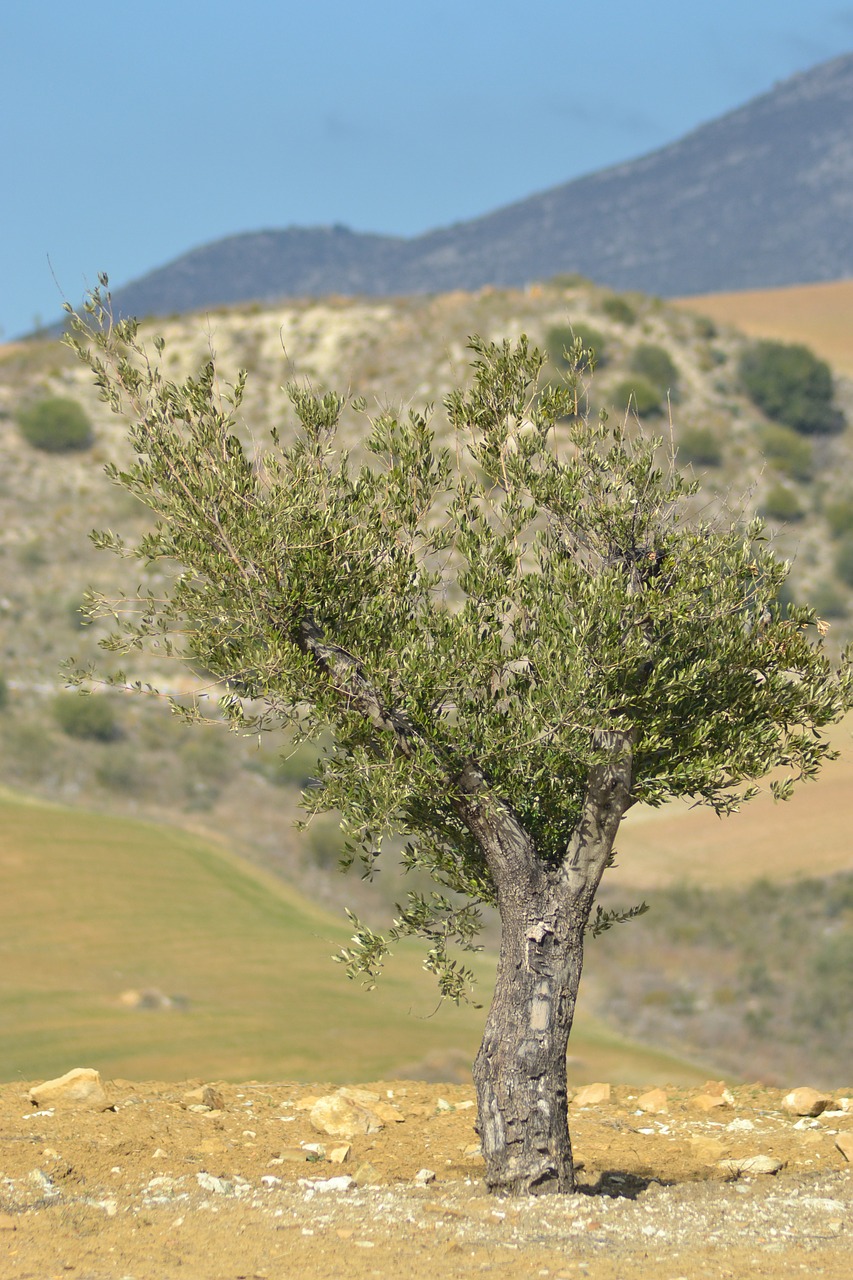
806, 1102
751, 1165
474, 1152
294, 1155
213, 1098
423, 1177
352, 1111
708, 1101
591, 1095
339, 1155
707, 1150
366, 1175
655, 1100
844, 1104
340, 1183
78, 1088
220, 1186
844, 1142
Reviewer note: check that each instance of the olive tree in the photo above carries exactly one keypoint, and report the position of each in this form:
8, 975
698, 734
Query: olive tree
508, 642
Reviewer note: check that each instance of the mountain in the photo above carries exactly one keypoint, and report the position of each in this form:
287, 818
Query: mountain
760, 197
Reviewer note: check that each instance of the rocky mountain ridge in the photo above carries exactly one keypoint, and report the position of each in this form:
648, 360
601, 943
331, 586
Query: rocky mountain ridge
756, 198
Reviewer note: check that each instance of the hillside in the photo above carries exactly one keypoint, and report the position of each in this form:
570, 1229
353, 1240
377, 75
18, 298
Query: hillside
757, 198
820, 315
409, 350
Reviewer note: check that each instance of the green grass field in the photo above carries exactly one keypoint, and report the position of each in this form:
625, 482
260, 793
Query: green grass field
92, 906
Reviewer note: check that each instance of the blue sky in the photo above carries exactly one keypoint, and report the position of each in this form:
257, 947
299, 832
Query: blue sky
132, 133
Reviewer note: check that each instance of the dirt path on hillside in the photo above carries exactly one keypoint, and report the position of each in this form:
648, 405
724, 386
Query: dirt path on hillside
163, 1187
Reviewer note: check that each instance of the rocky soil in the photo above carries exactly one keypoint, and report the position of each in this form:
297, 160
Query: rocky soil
219, 1181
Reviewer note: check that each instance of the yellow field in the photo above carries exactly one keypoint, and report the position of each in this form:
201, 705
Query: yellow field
820, 315
811, 834
93, 906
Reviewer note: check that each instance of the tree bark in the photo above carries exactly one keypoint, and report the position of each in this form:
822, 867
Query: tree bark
520, 1070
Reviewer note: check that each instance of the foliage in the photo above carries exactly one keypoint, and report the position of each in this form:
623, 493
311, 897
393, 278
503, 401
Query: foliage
655, 364
56, 425
790, 384
90, 718
844, 560
700, 446
787, 451
618, 308
781, 503
562, 341
494, 607
643, 397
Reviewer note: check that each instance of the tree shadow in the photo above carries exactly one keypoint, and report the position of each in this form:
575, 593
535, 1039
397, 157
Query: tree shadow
617, 1184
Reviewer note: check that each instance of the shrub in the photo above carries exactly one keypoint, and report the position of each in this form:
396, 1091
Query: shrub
654, 363
787, 451
839, 517
561, 338
844, 560
701, 446
642, 396
790, 384
781, 503
56, 425
617, 308
86, 717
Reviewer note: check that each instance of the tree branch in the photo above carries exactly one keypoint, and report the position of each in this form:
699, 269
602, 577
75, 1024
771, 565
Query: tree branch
608, 795
347, 675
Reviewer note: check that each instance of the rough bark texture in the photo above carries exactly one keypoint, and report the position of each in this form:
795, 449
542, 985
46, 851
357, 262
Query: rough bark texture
520, 1070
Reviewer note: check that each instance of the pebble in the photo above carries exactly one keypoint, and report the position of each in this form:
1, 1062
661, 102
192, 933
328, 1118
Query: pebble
423, 1177
751, 1165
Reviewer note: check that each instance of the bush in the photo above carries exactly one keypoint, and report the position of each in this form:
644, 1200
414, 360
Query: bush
700, 445
844, 561
654, 364
839, 517
781, 503
88, 717
56, 425
787, 451
617, 308
561, 338
642, 396
790, 384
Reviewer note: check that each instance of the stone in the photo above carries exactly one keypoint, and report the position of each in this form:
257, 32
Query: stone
423, 1177
339, 1155
340, 1183
294, 1155
78, 1088
844, 1142
366, 1175
474, 1152
806, 1102
213, 1098
591, 1095
705, 1149
352, 1111
655, 1100
709, 1101
220, 1186
751, 1165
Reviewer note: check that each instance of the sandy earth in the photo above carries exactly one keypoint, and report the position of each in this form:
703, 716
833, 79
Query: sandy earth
154, 1189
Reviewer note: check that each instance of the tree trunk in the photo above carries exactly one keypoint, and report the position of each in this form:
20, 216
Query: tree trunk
520, 1071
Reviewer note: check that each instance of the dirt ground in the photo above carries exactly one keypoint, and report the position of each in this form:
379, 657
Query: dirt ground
163, 1186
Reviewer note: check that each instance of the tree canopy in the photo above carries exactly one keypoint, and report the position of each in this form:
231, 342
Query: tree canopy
497, 602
